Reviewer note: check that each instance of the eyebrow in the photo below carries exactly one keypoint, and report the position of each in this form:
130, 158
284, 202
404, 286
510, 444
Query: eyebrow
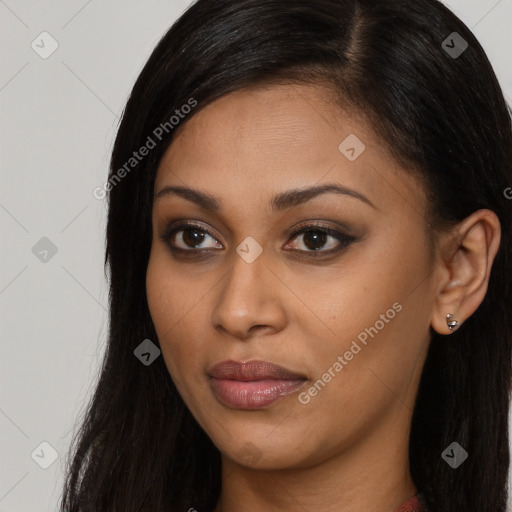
279, 202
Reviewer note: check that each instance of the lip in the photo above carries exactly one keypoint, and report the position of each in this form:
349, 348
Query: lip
252, 385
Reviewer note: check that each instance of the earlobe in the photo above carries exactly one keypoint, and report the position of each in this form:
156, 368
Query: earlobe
465, 258
452, 324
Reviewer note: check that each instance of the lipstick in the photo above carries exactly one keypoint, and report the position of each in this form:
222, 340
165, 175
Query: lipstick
252, 385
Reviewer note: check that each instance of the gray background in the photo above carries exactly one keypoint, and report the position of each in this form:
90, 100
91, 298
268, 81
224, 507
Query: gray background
59, 118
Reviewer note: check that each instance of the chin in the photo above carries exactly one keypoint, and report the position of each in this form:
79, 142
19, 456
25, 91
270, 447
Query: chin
266, 449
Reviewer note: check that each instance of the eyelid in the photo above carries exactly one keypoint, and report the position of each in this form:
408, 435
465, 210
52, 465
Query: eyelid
171, 229
321, 224
341, 235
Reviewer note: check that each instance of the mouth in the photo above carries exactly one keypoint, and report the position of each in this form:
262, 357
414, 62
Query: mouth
252, 385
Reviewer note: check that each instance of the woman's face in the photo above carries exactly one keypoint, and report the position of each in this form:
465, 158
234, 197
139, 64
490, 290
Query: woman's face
258, 277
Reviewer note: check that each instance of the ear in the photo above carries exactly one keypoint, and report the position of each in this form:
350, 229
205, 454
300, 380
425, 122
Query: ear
466, 254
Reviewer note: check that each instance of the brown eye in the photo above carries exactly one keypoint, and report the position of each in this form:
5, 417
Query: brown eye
192, 237
320, 240
316, 240
189, 237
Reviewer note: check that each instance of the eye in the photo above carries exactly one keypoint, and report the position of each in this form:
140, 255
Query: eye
315, 237
191, 236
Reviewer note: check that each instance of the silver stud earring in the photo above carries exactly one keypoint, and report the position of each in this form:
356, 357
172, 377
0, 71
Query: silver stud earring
452, 324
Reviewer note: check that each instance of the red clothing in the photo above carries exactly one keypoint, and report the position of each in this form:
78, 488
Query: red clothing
412, 505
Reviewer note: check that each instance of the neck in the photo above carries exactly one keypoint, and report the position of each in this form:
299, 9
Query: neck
373, 476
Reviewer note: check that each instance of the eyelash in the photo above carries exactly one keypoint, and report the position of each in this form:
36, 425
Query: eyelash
344, 239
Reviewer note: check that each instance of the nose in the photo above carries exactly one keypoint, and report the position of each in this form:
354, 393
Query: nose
249, 300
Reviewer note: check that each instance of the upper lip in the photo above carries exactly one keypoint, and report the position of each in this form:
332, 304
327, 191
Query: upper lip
252, 370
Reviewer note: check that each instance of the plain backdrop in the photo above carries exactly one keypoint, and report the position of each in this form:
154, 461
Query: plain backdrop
59, 115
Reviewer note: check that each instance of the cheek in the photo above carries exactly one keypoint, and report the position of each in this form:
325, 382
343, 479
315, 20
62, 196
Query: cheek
173, 294
348, 297
376, 310
172, 304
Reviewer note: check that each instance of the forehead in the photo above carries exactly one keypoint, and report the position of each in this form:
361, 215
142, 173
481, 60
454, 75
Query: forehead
258, 141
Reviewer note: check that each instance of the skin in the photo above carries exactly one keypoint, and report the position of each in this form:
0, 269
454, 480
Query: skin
346, 450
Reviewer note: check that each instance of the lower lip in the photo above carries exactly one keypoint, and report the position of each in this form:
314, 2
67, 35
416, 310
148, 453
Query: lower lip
253, 394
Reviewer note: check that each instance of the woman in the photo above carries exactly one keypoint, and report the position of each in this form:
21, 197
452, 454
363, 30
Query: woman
309, 244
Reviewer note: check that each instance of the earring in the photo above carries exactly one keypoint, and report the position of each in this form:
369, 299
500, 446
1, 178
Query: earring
452, 324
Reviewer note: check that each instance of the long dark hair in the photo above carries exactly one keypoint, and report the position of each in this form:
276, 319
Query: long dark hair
443, 117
